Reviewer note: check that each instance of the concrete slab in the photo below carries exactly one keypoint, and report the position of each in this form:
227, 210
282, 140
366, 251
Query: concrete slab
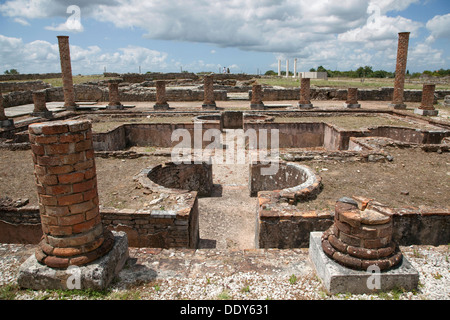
424, 112
339, 279
96, 275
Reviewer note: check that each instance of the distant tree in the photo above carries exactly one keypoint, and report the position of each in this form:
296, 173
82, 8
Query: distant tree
270, 73
312, 70
321, 69
11, 71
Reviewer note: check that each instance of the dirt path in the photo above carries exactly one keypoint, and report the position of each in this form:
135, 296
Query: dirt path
227, 219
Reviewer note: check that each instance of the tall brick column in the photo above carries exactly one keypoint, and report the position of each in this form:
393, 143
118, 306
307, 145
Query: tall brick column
256, 102
208, 88
114, 101
426, 106
40, 105
66, 70
352, 98
305, 92
161, 101
4, 121
66, 181
400, 71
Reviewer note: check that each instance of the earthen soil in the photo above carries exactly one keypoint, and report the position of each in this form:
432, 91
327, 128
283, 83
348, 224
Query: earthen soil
227, 220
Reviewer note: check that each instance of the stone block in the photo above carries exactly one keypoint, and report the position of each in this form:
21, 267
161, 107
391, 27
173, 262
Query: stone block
96, 275
339, 279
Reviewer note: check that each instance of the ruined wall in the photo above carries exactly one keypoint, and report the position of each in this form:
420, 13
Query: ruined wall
33, 76
23, 86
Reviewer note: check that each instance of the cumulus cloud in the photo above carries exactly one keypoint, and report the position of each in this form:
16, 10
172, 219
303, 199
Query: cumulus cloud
439, 27
42, 56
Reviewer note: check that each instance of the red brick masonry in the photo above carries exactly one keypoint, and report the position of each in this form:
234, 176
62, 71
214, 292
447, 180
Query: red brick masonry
66, 182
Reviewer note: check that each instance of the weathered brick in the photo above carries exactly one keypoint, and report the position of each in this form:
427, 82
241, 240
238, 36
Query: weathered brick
84, 186
81, 207
46, 139
37, 149
60, 169
54, 129
71, 220
70, 199
55, 149
58, 189
71, 178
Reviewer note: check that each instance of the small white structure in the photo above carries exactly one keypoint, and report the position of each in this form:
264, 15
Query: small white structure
314, 75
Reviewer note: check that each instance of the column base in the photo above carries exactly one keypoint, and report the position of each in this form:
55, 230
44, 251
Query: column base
426, 112
96, 275
257, 106
398, 106
116, 107
305, 105
339, 279
161, 106
43, 114
209, 106
352, 105
6, 123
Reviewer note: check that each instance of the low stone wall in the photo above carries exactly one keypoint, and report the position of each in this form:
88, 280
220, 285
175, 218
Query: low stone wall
383, 94
285, 227
294, 182
174, 227
32, 76
23, 86
183, 176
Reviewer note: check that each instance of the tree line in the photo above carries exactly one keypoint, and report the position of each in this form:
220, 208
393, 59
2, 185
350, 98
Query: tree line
368, 72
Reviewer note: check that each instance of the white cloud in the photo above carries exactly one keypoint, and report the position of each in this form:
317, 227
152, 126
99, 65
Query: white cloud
42, 56
73, 22
22, 21
439, 28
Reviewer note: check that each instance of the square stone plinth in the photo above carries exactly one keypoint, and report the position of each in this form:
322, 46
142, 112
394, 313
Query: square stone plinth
96, 275
426, 112
339, 279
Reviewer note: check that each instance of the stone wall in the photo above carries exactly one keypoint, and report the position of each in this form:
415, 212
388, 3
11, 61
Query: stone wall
33, 76
156, 229
285, 227
23, 86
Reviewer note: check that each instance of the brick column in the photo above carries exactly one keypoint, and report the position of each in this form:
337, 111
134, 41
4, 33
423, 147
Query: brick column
305, 93
66, 181
114, 101
4, 121
426, 107
352, 98
256, 102
208, 97
161, 102
66, 70
40, 106
361, 236
400, 71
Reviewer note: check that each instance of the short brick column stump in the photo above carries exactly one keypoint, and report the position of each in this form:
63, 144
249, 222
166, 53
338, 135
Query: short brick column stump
305, 93
4, 121
257, 94
426, 107
161, 101
114, 101
40, 105
357, 254
208, 96
352, 99
73, 233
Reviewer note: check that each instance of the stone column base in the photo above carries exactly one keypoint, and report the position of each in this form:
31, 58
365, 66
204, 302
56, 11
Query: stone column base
116, 107
209, 106
305, 105
397, 106
352, 105
43, 114
339, 279
426, 112
257, 106
161, 106
96, 275
6, 123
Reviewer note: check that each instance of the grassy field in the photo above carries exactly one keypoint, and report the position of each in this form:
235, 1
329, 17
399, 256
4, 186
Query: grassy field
345, 83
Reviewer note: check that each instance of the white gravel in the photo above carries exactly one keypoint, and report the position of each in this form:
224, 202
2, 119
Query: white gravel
432, 263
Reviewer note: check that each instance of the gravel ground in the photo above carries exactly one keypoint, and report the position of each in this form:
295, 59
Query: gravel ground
229, 275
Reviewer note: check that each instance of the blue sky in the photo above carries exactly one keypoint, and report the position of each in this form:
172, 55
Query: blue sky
243, 35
